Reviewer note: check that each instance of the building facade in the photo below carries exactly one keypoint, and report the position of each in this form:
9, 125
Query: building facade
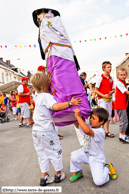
124, 64
9, 72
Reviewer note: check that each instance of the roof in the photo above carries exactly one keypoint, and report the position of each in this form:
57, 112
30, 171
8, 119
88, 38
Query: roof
93, 80
5, 64
12, 86
123, 61
9, 67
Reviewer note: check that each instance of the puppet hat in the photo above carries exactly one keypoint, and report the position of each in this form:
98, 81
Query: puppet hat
38, 11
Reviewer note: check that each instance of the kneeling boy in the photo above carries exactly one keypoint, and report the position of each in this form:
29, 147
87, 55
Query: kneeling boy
92, 152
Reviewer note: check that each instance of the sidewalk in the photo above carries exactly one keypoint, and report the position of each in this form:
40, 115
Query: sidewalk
19, 164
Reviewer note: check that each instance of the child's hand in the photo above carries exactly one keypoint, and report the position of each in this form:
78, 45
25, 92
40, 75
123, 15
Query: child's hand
110, 93
76, 101
77, 112
28, 94
106, 96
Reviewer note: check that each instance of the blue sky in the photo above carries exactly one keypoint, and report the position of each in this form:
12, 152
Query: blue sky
17, 28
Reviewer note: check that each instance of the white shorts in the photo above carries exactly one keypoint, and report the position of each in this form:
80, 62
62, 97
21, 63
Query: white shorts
99, 172
25, 113
106, 105
48, 148
14, 110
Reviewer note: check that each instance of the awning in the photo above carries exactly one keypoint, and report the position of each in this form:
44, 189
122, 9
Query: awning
12, 86
93, 80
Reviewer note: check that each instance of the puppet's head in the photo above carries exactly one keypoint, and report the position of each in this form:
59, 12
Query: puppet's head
42, 12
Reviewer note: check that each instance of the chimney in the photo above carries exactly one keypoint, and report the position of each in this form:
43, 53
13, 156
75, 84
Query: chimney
126, 54
1, 59
8, 62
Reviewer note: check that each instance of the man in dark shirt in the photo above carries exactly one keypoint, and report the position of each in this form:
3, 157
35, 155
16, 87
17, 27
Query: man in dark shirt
82, 78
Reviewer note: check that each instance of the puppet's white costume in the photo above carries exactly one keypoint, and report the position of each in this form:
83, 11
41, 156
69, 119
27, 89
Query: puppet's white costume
62, 66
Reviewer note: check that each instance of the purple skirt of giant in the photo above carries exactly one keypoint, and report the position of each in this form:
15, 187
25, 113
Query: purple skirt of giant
66, 83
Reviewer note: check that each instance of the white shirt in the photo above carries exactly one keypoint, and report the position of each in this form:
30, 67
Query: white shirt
55, 33
34, 96
43, 112
94, 145
20, 89
121, 87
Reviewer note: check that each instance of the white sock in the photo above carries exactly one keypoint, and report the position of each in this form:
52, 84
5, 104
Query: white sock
28, 124
120, 135
123, 137
20, 123
45, 177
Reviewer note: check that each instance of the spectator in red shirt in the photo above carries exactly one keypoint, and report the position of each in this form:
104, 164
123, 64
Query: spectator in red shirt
121, 104
104, 89
24, 100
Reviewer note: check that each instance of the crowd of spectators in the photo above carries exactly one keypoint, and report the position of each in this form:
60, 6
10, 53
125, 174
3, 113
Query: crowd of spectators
10, 107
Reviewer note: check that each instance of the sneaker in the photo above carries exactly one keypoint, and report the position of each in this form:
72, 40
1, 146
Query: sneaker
120, 139
44, 182
126, 140
76, 176
29, 126
113, 174
59, 178
8, 119
21, 125
32, 122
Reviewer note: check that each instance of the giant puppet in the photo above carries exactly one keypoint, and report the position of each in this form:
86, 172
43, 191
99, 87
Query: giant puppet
62, 65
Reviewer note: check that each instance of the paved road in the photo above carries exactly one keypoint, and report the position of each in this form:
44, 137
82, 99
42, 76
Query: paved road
19, 165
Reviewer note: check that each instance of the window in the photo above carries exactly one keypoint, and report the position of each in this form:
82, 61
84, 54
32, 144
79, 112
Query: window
6, 77
3, 77
10, 76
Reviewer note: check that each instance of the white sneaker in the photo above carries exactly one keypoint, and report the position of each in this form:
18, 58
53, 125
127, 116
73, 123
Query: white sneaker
44, 182
29, 126
50, 179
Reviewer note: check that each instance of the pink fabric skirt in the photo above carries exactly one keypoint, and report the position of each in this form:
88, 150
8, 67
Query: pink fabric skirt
65, 83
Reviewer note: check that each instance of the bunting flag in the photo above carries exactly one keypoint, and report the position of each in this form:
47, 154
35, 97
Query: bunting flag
81, 41
17, 46
95, 71
34, 71
95, 39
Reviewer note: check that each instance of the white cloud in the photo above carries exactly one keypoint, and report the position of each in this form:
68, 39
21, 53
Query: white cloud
77, 8
106, 1
103, 19
17, 27
127, 2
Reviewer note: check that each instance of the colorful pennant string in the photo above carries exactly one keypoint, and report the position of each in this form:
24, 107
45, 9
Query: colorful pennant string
95, 39
121, 35
16, 46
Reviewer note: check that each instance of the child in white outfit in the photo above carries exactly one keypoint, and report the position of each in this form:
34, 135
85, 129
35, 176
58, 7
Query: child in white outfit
45, 137
92, 152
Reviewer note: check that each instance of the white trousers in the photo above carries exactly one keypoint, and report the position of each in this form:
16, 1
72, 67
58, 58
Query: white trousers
106, 105
99, 173
14, 110
48, 148
25, 113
